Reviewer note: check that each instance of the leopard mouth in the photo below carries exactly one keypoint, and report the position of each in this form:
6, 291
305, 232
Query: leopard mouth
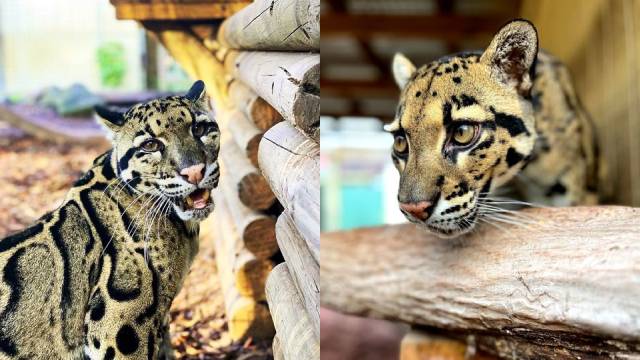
198, 200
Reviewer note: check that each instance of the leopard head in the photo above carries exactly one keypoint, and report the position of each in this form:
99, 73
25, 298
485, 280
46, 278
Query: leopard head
463, 126
168, 148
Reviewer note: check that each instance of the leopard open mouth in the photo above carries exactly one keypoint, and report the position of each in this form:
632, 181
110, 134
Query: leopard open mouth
197, 200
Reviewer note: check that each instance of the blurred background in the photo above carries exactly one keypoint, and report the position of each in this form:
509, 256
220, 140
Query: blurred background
598, 39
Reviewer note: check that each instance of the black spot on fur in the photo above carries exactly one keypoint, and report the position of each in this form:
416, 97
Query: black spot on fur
110, 354
513, 124
418, 93
150, 345
468, 100
446, 114
434, 94
127, 340
513, 157
440, 181
97, 307
456, 79
96, 343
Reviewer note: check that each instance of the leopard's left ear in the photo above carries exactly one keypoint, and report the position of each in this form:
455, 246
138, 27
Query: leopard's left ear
512, 54
198, 95
112, 119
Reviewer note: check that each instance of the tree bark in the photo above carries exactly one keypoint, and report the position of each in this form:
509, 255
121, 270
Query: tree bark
252, 188
256, 230
247, 136
284, 25
263, 115
287, 81
290, 163
277, 348
565, 286
303, 268
297, 340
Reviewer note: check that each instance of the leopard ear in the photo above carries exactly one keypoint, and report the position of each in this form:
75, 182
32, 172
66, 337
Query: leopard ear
512, 54
402, 69
198, 95
112, 119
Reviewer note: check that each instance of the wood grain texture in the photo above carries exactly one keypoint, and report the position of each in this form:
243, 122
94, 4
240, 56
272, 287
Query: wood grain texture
156, 10
252, 188
263, 115
286, 80
290, 163
418, 345
568, 284
256, 230
304, 269
246, 135
297, 340
246, 316
285, 25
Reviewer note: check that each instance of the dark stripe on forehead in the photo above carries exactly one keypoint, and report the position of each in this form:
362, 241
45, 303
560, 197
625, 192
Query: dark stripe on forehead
446, 114
513, 124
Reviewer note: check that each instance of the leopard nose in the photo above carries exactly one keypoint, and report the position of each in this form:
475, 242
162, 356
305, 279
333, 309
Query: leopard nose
193, 173
420, 210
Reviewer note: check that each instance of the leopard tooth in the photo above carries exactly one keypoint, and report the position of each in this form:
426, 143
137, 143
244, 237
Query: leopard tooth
206, 194
189, 201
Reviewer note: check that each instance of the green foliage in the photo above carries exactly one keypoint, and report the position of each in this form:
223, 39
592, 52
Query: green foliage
112, 64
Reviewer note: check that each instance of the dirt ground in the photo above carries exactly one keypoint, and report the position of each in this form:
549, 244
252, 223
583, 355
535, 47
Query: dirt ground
37, 174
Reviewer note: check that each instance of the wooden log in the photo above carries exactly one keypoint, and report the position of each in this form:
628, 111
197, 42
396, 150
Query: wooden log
246, 317
187, 10
256, 230
302, 266
418, 345
252, 188
287, 81
565, 286
290, 163
263, 115
297, 339
277, 348
246, 135
285, 25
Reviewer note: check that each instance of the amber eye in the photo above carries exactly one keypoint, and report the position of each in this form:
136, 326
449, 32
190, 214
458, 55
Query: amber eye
464, 134
152, 145
400, 144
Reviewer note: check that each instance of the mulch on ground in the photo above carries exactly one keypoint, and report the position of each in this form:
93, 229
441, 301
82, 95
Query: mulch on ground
35, 178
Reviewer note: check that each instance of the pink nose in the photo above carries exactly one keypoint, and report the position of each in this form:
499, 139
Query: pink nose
418, 210
193, 173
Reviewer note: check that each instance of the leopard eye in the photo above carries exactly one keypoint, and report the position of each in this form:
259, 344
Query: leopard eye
203, 128
464, 134
400, 145
152, 145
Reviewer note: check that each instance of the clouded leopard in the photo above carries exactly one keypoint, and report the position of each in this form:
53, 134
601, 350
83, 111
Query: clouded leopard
470, 123
94, 279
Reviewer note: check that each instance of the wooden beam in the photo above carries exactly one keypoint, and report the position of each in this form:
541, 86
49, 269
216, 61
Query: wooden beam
284, 25
565, 286
136, 10
443, 27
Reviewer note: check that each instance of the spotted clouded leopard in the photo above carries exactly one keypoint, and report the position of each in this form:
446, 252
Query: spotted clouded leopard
94, 279
470, 123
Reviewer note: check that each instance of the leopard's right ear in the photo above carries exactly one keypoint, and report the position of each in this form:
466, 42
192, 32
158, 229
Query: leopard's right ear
402, 69
112, 119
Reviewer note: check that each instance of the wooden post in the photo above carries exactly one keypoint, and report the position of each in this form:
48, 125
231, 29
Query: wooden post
277, 348
290, 163
565, 286
285, 25
287, 81
246, 135
245, 316
263, 115
251, 187
297, 340
195, 58
256, 230
303, 268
